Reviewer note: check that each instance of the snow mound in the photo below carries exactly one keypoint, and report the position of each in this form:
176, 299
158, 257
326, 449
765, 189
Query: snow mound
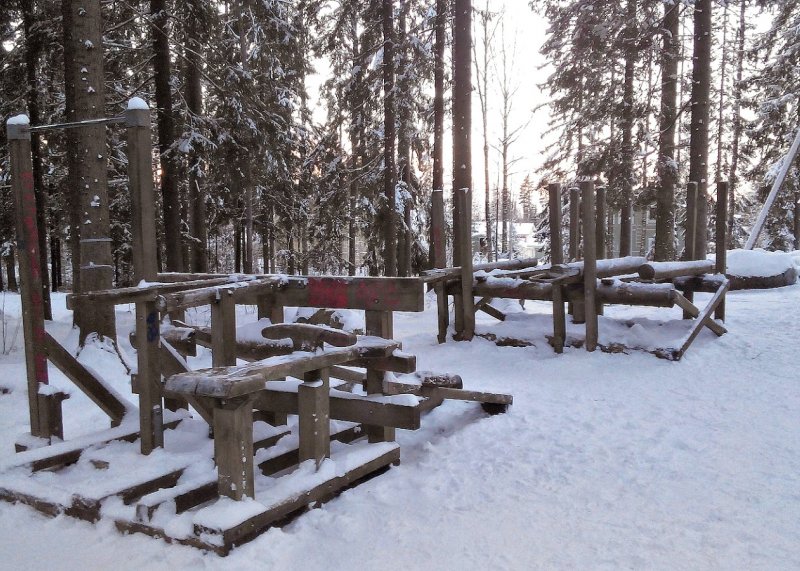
758, 263
137, 103
21, 119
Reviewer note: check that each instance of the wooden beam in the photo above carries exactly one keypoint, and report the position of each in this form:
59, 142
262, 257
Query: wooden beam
669, 270
86, 380
574, 224
693, 311
143, 209
701, 320
722, 239
372, 293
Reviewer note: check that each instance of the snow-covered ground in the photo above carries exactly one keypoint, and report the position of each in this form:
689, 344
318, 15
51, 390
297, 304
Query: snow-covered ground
605, 461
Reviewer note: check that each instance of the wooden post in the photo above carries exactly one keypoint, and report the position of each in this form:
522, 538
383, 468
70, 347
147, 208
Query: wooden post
574, 224
556, 241
691, 221
223, 329
589, 264
600, 222
313, 401
148, 377
462, 164
559, 319
44, 423
721, 264
268, 307
439, 260
143, 210
233, 447
690, 234
378, 323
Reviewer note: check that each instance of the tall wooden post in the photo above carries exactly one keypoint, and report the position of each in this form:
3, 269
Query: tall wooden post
313, 402
589, 264
44, 408
556, 241
462, 162
143, 210
223, 329
574, 224
721, 264
600, 222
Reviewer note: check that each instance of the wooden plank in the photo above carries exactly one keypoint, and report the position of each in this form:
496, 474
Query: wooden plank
30, 283
93, 387
397, 362
230, 382
136, 294
345, 407
693, 311
223, 329
233, 447
589, 264
485, 306
556, 241
314, 416
322, 492
242, 291
701, 319
149, 377
372, 293
348, 375
291, 457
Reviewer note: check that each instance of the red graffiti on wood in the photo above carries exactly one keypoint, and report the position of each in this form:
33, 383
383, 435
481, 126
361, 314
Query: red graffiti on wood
327, 293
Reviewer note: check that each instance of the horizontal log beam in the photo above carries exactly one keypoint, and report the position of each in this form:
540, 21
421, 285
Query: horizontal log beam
669, 270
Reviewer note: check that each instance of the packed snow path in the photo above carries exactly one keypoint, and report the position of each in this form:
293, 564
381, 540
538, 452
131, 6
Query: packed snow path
604, 462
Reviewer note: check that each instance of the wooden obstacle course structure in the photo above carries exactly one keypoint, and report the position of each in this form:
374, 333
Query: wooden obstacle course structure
260, 467
592, 282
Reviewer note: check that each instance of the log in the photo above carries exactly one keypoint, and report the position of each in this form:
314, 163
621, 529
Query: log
701, 320
208, 294
669, 270
445, 274
632, 293
308, 337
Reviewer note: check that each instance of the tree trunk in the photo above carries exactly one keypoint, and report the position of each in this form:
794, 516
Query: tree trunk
404, 144
32, 50
86, 100
162, 78
626, 125
356, 125
721, 94
389, 172
247, 184
194, 106
437, 196
483, 94
733, 177
698, 145
667, 168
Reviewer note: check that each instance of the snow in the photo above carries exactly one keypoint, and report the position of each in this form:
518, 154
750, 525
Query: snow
137, 103
605, 461
20, 119
758, 263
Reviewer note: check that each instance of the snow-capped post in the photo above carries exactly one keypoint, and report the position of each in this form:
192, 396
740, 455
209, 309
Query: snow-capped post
44, 404
556, 242
462, 164
721, 239
140, 176
589, 264
574, 224
600, 222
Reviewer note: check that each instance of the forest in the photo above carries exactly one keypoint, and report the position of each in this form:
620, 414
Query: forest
307, 136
